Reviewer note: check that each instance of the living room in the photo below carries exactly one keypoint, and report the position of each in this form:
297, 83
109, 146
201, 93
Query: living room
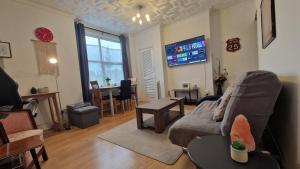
58, 51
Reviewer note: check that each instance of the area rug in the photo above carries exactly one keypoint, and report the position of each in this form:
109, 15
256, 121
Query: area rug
145, 141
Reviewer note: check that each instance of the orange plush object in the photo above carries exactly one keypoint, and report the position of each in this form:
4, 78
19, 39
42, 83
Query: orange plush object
240, 130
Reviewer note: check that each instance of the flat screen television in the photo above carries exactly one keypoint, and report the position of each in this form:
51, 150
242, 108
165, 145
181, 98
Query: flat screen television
186, 52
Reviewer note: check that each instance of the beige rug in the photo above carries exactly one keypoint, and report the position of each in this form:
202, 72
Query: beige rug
145, 142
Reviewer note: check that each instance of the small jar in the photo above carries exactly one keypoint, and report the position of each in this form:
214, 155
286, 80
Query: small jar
240, 156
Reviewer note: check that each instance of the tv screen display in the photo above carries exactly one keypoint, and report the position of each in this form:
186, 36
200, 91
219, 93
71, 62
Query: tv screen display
186, 52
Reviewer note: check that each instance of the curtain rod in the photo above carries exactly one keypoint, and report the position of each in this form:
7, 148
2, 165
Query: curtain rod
101, 31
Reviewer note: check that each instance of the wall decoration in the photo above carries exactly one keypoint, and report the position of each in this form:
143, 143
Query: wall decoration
44, 52
268, 22
43, 34
5, 50
233, 45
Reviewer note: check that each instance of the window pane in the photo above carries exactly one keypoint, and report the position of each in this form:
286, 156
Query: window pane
111, 51
91, 40
95, 72
114, 72
92, 48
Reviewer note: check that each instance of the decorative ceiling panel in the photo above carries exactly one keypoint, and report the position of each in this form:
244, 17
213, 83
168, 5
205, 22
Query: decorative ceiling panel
115, 15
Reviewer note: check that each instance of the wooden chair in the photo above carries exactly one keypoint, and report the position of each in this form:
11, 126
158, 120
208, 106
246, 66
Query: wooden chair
99, 100
18, 125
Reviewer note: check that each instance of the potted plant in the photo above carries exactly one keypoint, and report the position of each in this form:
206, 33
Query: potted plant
107, 80
239, 152
220, 80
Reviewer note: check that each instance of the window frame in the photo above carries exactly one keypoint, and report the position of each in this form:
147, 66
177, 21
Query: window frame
102, 62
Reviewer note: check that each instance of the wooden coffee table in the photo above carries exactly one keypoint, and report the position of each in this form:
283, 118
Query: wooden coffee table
160, 109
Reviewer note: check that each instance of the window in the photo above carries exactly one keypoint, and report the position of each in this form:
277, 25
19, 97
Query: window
104, 59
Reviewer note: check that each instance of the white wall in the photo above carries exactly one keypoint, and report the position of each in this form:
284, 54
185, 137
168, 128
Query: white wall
18, 22
199, 74
149, 38
235, 21
282, 57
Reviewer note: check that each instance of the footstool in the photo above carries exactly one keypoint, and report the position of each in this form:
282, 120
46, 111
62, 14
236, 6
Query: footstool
83, 115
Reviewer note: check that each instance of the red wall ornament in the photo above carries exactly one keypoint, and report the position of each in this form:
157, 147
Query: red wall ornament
43, 34
233, 45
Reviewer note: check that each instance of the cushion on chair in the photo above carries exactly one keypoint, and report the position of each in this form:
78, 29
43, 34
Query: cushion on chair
218, 113
25, 134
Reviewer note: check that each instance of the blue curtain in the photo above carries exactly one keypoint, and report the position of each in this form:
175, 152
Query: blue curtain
123, 40
83, 60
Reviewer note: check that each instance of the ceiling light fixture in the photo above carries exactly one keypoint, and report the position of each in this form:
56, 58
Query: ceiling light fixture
138, 17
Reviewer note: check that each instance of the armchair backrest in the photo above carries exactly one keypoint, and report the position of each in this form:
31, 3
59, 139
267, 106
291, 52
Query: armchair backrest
18, 121
254, 96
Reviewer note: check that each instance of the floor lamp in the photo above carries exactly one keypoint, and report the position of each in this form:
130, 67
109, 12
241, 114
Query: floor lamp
54, 62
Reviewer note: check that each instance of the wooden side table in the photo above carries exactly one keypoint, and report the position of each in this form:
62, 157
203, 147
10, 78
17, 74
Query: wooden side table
18, 147
213, 152
54, 105
188, 100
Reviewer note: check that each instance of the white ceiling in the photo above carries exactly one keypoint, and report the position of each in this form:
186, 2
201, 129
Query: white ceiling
115, 15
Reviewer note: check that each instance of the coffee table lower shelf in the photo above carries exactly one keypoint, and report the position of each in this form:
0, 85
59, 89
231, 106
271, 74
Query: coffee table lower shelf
161, 111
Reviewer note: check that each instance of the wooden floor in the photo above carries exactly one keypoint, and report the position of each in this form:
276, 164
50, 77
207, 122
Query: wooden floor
81, 149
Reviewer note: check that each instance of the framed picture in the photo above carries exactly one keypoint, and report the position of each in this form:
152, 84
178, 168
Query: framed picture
268, 22
5, 50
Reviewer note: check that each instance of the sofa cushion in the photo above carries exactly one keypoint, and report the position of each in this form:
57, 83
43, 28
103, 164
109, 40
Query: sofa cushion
254, 96
197, 123
219, 111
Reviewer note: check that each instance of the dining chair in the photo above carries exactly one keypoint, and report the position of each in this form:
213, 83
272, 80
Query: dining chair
125, 94
99, 100
134, 99
18, 125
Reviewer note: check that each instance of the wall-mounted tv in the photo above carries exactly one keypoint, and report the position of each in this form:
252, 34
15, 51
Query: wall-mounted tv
186, 52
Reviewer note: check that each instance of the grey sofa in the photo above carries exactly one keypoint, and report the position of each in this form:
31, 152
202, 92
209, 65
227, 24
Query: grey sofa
254, 96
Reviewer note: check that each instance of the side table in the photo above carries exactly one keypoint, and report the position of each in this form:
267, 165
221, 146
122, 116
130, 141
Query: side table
213, 152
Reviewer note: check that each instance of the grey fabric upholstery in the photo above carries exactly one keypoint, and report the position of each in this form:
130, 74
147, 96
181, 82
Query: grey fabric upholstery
254, 96
83, 116
197, 123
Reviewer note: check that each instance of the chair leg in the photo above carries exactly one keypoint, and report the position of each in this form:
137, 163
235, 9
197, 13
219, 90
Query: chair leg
115, 107
44, 154
123, 106
101, 106
35, 159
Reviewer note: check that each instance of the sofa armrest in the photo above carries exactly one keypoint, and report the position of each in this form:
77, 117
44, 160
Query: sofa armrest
208, 98
17, 121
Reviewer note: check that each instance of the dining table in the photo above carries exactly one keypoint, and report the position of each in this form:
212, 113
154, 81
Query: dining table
110, 90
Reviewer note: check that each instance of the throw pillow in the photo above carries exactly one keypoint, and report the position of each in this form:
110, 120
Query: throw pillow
219, 111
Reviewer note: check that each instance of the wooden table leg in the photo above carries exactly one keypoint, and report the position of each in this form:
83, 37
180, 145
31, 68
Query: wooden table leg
181, 105
139, 118
51, 111
159, 122
57, 112
111, 102
35, 159
136, 96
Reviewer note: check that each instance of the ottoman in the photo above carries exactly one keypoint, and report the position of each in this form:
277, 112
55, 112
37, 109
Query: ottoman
83, 115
